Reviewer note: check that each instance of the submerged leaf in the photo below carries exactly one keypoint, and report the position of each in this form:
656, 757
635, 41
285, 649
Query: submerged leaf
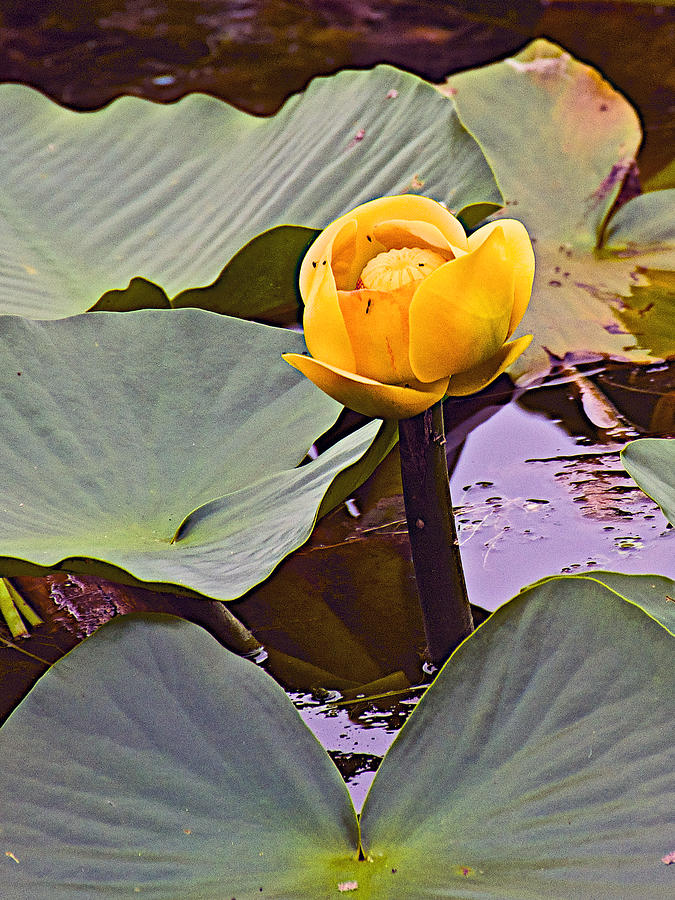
139, 294
260, 281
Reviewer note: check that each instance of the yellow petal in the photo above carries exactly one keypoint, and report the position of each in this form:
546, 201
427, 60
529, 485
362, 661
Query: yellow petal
371, 398
342, 254
377, 324
325, 331
409, 207
459, 315
480, 376
521, 254
394, 234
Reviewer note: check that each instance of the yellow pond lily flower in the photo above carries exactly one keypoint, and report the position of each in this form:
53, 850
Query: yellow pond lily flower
401, 308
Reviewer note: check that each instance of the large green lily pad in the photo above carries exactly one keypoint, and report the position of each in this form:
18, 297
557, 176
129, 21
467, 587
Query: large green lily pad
528, 781
651, 463
161, 445
150, 760
169, 193
562, 141
185, 762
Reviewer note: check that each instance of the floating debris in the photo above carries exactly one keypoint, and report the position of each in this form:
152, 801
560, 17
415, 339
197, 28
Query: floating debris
358, 137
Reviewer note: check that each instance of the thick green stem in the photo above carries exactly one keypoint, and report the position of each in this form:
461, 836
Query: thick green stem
433, 538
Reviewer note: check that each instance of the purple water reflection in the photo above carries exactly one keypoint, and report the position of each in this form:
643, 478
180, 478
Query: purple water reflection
536, 501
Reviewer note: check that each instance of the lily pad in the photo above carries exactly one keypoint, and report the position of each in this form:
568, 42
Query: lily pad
170, 193
186, 758
530, 777
651, 463
163, 446
150, 760
562, 142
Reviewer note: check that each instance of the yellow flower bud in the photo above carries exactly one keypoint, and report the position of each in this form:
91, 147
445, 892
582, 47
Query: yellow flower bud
401, 308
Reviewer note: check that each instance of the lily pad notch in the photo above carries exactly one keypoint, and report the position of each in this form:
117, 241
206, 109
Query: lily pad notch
193, 775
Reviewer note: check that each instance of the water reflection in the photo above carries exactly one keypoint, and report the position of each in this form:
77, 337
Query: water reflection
356, 746
536, 499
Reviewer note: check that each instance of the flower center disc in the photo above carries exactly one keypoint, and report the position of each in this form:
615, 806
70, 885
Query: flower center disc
394, 268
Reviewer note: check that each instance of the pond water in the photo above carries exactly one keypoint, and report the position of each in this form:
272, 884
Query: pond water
537, 501
537, 492
537, 482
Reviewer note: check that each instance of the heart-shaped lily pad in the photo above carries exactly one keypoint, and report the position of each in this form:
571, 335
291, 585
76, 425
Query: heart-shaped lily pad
165, 445
150, 760
170, 193
562, 142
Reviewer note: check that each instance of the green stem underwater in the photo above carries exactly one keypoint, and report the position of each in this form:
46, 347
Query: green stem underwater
433, 538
